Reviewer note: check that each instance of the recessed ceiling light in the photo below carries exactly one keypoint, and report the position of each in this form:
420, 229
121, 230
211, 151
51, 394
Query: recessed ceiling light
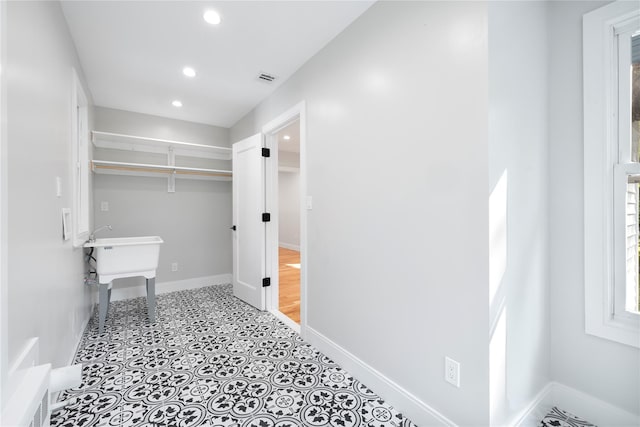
177, 103
212, 17
287, 137
189, 72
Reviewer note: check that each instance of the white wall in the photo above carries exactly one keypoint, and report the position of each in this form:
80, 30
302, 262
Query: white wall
4, 305
599, 367
193, 222
289, 209
518, 171
289, 159
46, 294
397, 256
137, 124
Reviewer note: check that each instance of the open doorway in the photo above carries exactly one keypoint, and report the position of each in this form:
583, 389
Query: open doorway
288, 203
289, 220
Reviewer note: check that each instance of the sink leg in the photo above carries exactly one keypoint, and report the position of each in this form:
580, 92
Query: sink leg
105, 294
151, 299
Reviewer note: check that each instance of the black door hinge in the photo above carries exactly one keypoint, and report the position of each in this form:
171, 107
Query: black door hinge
266, 282
266, 152
266, 217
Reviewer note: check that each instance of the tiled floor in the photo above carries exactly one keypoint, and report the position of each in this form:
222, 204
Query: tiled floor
211, 360
560, 418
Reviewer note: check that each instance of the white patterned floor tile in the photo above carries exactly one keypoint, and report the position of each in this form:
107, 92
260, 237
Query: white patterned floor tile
559, 418
211, 360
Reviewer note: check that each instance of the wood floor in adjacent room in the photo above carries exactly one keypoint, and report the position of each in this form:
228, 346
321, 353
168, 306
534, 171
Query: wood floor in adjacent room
290, 283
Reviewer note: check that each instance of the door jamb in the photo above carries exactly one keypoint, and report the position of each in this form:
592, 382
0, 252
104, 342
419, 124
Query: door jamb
298, 111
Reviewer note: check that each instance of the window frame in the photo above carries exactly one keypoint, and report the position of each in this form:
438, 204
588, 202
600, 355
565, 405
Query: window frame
607, 166
80, 158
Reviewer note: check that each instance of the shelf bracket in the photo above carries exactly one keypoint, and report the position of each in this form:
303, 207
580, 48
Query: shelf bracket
171, 161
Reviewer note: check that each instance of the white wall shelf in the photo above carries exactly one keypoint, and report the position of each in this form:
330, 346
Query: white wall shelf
118, 141
142, 169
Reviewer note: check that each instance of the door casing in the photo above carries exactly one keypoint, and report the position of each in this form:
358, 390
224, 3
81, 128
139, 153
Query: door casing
269, 130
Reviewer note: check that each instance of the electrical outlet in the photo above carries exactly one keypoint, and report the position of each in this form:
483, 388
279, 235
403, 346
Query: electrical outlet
452, 371
174, 266
104, 206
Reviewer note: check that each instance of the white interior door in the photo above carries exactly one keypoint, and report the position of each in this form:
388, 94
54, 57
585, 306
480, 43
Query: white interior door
250, 232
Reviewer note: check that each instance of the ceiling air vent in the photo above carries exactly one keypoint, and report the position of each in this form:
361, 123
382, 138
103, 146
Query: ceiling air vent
266, 77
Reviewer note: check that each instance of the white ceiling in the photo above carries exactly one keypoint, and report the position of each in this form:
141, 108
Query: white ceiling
133, 52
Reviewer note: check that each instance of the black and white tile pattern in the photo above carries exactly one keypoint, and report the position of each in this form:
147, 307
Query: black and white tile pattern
559, 418
211, 360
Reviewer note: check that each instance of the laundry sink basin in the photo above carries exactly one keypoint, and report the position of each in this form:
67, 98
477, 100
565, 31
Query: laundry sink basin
119, 257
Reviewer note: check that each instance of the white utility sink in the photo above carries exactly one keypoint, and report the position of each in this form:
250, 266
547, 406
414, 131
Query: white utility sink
119, 257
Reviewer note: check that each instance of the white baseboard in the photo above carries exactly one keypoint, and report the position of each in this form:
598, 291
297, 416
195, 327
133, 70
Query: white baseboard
401, 399
79, 335
284, 319
535, 411
289, 246
578, 403
591, 408
28, 357
129, 292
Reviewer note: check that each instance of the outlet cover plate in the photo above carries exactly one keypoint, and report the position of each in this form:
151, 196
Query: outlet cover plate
452, 371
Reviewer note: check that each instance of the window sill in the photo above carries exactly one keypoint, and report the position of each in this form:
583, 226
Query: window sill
621, 329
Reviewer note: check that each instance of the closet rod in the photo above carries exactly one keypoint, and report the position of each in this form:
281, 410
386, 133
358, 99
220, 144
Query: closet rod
161, 169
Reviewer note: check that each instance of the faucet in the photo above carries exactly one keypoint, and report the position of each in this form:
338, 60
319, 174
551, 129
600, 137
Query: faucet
92, 236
